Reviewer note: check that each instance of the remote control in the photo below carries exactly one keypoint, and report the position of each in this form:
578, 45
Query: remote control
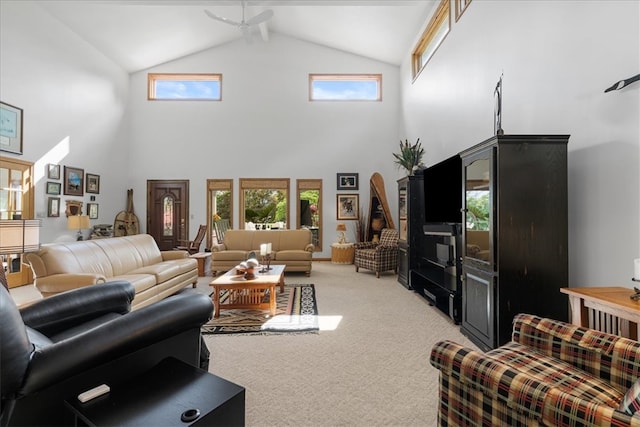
93, 393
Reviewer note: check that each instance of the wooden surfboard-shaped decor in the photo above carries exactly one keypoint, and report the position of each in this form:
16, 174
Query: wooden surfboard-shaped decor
379, 212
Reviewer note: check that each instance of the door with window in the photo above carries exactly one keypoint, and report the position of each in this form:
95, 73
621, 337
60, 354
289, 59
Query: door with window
16, 202
168, 212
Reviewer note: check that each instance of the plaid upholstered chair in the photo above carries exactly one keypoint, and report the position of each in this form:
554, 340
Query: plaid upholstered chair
552, 373
379, 256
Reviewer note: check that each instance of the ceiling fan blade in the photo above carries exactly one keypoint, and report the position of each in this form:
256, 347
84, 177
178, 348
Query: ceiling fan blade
261, 17
220, 18
246, 32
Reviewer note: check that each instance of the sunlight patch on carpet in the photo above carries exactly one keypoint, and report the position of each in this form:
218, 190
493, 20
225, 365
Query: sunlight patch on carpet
296, 312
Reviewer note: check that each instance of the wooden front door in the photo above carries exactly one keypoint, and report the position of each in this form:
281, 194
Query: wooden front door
168, 212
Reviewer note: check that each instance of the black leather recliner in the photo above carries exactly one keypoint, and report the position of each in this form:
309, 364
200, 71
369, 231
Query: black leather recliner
63, 345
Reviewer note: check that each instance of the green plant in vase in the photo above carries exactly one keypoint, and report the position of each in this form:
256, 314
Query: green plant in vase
410, 156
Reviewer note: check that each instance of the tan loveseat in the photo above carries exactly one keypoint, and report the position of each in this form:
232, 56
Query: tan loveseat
290, 247
155, 274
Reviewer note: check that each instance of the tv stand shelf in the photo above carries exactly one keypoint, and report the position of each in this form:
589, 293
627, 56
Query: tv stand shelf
440, 289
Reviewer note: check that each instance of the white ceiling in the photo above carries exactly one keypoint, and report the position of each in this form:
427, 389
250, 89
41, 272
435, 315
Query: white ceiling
138, 34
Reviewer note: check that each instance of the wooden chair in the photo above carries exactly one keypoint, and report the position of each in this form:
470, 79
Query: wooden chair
221, 227
193, 246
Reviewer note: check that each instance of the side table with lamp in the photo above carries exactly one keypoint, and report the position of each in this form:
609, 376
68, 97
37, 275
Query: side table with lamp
342, 252
17, 236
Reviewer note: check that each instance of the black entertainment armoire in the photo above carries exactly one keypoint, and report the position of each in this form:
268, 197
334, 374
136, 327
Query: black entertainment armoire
484, 234
515, 232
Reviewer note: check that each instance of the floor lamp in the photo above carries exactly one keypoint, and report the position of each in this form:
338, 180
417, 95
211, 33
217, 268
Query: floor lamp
18, 236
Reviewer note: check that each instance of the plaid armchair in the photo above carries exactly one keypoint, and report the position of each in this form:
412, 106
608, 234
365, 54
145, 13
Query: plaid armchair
379, 256
551, 374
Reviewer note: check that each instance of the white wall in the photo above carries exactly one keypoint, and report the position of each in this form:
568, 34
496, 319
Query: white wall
265, 126
557, 58
73, 100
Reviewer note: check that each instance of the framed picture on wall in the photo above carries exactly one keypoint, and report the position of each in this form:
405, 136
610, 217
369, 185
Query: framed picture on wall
53, 207
73, 181
347, 206
53, 187
347, 181
10, 128
53, 171
92, 210
93, 183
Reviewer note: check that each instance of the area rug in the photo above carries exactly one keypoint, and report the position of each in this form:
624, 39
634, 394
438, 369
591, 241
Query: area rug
296, 312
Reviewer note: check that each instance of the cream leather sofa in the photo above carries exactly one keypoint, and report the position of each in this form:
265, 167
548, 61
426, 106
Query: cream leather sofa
59, 267
290, 247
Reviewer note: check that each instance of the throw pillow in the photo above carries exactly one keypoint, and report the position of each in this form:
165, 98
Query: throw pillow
631, 401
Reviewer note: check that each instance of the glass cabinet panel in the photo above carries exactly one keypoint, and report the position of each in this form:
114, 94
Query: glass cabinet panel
16, 202
477, 200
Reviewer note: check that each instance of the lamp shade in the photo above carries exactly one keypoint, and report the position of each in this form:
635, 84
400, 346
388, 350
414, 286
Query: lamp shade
77, 222
18, 236
341, 227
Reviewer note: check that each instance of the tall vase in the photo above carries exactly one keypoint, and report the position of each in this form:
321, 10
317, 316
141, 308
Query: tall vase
377, 223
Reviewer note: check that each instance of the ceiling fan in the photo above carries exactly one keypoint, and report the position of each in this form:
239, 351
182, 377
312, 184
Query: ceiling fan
245, 26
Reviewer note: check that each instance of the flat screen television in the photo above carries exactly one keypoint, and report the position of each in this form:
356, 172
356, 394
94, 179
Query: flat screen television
443, 191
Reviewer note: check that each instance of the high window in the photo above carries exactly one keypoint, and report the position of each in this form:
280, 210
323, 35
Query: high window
433, 35
185, 87
345, 87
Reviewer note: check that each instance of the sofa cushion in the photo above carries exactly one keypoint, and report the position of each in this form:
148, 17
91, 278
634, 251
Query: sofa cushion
230, 255
238, 240
631, 401
293, 255
140, 282
557, 373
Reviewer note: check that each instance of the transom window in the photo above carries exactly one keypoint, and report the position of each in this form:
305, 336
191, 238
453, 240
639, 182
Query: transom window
345, 87
432, 37
185, 87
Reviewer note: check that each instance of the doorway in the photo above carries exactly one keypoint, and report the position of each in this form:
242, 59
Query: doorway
168, 212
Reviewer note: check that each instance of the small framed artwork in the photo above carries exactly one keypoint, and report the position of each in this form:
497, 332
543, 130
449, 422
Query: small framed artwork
92, 210
10, 128
347, 181
347, 205
53, 171
53, 187
93, 183
53, 207
73, 181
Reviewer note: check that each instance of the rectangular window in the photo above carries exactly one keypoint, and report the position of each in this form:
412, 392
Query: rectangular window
345, 87
432, 37
185, 87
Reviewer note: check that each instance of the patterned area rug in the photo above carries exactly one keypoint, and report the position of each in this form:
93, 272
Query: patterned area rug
296, 312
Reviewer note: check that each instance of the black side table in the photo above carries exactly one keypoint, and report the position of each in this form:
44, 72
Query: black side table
161, 395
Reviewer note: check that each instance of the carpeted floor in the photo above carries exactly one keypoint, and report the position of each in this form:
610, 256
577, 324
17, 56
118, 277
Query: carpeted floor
367, 366
296, 312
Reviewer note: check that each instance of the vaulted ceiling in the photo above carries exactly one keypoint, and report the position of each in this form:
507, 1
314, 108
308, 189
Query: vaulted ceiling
138, 34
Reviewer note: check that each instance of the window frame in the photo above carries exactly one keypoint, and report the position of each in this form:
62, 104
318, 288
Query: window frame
345, 77
152, 78
442, 16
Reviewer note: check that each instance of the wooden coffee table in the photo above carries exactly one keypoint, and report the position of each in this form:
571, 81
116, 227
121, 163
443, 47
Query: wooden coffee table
245, 293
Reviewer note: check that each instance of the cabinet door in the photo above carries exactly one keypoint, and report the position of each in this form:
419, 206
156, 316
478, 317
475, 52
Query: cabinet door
478, 210
478, 301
